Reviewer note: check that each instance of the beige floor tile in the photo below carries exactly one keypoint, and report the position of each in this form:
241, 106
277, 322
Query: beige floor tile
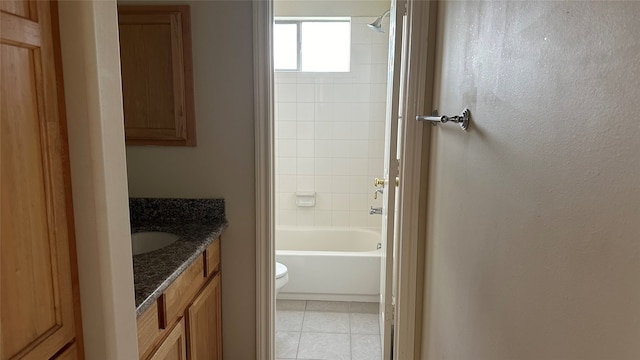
287, 344
327, 322
289, 320
365, 347
322, 346
365, 324
332, 306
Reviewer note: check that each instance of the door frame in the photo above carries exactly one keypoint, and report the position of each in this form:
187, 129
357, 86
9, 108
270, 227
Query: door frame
412, 212
421, 16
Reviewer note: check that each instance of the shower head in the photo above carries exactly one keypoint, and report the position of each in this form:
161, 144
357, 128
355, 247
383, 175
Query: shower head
377, 23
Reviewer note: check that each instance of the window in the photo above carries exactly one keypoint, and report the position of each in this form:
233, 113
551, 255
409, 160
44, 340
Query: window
312, 44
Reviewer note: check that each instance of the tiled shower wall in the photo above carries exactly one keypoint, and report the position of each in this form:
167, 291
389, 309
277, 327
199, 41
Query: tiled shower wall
329, 132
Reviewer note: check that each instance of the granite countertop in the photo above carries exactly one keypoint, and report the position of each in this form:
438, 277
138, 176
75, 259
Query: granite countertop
153, 272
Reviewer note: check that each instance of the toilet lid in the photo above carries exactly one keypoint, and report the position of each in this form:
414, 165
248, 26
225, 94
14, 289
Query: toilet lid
281, 270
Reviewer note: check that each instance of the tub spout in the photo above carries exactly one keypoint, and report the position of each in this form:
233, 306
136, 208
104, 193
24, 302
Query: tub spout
376, 211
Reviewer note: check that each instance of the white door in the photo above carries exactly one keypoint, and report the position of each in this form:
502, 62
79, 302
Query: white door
390, 174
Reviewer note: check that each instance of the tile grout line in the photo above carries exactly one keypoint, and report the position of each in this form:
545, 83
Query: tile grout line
304, 312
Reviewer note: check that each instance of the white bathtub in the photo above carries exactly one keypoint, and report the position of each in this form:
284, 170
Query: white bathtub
329, 263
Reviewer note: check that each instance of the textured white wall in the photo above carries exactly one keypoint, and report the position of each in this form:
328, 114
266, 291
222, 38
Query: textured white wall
330, 136
222, 165
534, 231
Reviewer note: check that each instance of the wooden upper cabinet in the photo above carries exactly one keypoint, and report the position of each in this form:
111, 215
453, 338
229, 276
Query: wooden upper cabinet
157, 79
37, 248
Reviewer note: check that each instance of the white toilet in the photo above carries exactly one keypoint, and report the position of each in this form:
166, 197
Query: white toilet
282, 276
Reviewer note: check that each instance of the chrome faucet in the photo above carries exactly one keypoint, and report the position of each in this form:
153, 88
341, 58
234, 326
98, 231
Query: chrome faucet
376, 211
378, 191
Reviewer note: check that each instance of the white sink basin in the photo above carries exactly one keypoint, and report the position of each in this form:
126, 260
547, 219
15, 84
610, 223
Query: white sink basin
144, 242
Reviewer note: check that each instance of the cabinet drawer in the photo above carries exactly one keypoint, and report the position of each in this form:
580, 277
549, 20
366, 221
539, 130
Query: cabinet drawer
212, 258
173, 301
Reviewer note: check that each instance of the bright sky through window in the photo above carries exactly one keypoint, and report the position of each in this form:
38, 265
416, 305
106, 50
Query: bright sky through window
325, 46
318, 45
285, 46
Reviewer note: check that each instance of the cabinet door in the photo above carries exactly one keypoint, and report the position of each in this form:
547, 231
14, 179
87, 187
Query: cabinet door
204, 321
157, 89
174, 346
36, 245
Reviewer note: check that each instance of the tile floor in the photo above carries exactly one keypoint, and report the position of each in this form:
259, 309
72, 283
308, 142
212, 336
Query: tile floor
327, 330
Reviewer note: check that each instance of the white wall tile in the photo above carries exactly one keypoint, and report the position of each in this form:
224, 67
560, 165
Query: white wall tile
342, 93
305, 183
283, 77
287, 148
306, 217
343, 111
286, 165
323, 148
340, 184
360, 54
342, 130
306, 77
287, 201
322, 218
378, 92
323, 166
361, 112
323, 184
305, 112
376, 130
361, 74
305, 148
305, 130
329, 136
323, 112
340, 202
358, 218
323, 200
341, 148
286, 111
339, 218
358, 202
359, 148
286, 130
288, 217
285, 92
288, 183
306, 166
379, 73
324, 92
359, 130
341, 166
361, 34
361, 93
323, 130
306, 92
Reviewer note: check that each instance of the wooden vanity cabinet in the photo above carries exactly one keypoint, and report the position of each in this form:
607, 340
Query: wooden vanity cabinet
189, 309
174, 346
204, 323
157, 75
